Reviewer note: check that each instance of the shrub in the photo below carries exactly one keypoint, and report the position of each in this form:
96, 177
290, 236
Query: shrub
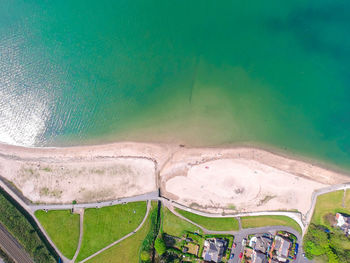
159, 245
145, 257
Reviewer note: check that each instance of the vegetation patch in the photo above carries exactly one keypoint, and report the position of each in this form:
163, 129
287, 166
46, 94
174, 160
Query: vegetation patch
103, 226
328, 203
26, 232
211, 223
129, 249
63, 228
174, 225
323, 241
260, 221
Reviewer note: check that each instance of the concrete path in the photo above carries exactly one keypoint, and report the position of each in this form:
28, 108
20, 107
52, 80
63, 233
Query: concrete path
81, 231
144, 197
296, 216
121, 239
308, 216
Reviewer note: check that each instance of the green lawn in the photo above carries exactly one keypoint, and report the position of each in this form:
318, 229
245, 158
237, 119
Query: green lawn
103, 226
218, 224
129, 249
63, 228
260, 221
175, 226
329, 203
325, 247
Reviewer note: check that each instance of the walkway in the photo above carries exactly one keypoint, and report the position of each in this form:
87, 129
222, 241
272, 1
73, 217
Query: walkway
81, 231
144, 197
296, 216
121, 239
308, 216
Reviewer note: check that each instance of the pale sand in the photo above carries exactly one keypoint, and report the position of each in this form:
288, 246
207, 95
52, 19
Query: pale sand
248, 178
242, 185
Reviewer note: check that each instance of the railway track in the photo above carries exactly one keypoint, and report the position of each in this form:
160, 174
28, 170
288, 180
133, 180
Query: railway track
10, 245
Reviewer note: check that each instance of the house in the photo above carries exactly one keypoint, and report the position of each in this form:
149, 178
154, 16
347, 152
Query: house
282, 247
258, 257
261, 243
214, 249
343, 222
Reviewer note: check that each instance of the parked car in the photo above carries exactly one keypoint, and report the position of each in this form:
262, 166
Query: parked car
234, 245
240, 255
231, 256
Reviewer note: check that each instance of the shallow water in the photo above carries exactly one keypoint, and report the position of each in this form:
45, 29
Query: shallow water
200, 72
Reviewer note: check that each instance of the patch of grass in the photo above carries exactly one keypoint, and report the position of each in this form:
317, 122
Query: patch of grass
218, 224
47, 169
260, 221
103, 226
23, 228
63, 229
329, 203
174, 225
232, 207
129, 249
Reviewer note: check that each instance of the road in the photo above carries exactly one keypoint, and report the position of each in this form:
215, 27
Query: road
124, 237
240, 235
144, 197
302, 221
243, 233
10, 245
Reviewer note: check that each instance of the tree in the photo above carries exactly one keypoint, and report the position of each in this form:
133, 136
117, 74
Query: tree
159, 245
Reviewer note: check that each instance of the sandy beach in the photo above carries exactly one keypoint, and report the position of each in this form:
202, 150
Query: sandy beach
211, 179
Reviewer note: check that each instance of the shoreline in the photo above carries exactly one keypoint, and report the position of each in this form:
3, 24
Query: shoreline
175, 145
251, 178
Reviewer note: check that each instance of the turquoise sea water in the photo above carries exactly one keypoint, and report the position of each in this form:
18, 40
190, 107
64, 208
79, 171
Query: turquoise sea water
274, 73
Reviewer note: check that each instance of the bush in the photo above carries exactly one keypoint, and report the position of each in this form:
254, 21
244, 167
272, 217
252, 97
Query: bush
145, 257
159, 245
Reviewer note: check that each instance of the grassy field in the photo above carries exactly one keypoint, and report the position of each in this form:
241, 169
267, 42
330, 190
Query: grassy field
330, 203
63, 228
103, 226
23, 228
175, 226
129, 249
321, 246
260, 221
218, 224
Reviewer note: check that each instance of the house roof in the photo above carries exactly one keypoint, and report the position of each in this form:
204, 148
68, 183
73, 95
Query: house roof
214, 250
282, 246
262, 244
258, 257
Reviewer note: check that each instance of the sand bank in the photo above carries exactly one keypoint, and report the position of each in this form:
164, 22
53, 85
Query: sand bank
215, 179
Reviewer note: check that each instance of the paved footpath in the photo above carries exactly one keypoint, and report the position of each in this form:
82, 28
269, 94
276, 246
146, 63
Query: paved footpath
124, 237
138, 198
81, 231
